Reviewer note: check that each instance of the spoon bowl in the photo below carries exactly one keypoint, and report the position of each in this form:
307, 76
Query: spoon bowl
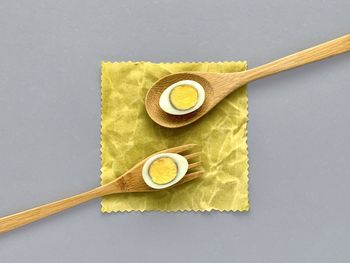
214, 86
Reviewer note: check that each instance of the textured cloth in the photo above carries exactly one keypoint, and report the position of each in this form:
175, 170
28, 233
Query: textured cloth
128, 135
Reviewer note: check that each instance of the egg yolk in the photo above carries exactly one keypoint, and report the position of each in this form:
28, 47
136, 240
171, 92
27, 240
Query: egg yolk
184, 97
163, 170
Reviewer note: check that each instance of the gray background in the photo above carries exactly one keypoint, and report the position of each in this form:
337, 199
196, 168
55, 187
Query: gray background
299, 132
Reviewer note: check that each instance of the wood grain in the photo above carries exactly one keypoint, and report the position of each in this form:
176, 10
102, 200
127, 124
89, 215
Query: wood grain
131, 181
313, 54
218, 85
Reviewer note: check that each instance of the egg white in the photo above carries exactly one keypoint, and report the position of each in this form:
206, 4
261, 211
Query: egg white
182, 167
165, 103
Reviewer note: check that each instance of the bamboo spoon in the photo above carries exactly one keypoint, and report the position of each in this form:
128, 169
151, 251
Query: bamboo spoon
131, 181
218, 85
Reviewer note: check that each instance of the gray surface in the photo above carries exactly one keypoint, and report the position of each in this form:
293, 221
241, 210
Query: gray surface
299, 133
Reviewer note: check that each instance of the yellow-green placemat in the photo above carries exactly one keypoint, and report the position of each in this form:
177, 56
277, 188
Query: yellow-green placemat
128, 135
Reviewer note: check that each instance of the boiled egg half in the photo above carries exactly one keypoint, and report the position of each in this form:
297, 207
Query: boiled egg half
182, 97
164, 170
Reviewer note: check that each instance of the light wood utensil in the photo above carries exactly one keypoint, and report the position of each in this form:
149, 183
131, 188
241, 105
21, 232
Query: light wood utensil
131, 181
218, 85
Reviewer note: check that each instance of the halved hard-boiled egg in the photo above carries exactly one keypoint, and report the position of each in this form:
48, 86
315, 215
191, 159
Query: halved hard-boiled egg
182, 97
164, 170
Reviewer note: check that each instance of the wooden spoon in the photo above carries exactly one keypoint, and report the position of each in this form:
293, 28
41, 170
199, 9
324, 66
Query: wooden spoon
218, 85
131, 181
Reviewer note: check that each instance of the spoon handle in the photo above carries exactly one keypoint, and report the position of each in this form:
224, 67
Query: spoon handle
322, 51
11, 222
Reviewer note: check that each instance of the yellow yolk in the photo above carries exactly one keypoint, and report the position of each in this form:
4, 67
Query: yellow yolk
184, 97
163, 170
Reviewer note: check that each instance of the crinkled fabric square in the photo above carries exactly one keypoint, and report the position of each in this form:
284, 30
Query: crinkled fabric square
128, 135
